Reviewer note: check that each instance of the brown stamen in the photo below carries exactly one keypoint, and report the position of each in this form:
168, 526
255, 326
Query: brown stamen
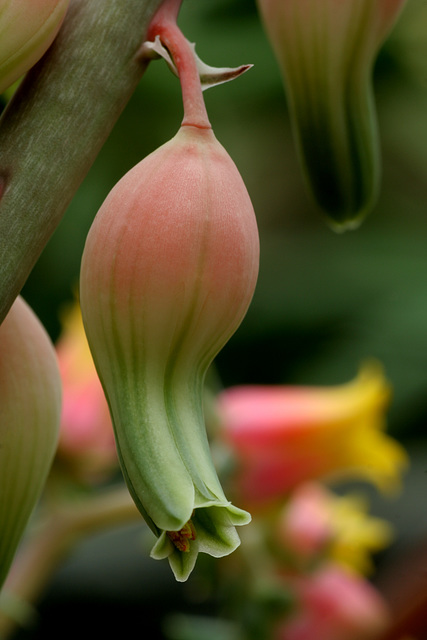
181, 539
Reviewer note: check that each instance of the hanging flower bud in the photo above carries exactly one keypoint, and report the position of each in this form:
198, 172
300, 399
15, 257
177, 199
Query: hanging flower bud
326, 50
168, 271
27, 29
30, 408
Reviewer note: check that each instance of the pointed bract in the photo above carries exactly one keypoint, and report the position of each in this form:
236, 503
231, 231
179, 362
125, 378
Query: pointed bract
209, 76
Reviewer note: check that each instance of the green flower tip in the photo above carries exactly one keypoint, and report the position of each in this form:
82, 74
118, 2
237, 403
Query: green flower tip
210, 530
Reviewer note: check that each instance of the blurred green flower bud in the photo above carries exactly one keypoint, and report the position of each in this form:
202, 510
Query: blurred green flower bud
27, 29
30, 409
326, 50
168, 272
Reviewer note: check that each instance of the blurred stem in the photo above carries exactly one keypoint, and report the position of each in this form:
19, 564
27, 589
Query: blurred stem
58, 120
53, 539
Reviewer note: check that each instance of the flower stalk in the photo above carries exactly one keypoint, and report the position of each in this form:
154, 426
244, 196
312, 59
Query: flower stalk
164, 25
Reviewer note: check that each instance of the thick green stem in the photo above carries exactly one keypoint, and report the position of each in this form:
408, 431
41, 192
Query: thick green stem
58, 120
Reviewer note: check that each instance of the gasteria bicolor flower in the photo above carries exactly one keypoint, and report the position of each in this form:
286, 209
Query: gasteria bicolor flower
333, 604
30, 409
168, 271
27, 29
282, 436
316, 524
86, 440
326, 50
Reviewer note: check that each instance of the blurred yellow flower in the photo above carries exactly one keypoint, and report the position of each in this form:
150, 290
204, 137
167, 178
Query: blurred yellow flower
357, 535
281, 436
316, 523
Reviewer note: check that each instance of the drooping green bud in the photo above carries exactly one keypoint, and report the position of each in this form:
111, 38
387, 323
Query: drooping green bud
168, 271
30, 408
27, 29
326, 50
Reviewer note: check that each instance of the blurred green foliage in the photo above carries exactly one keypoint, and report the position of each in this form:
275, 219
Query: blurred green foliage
324, 302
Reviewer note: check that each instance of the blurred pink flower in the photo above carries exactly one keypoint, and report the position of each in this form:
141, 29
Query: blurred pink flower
86, 440
282, 436
304, 524
334, 605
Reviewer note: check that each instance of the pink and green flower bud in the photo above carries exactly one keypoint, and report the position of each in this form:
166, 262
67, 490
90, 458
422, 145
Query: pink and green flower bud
168, 272
27, 29
30, 409
326, 50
